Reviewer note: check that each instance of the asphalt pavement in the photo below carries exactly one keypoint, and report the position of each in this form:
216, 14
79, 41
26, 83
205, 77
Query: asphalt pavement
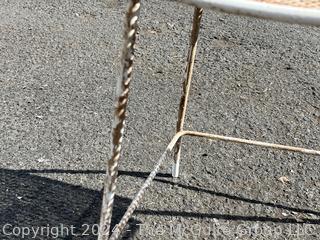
256, 79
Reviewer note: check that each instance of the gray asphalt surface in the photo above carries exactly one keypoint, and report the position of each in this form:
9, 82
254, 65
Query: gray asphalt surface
253, 78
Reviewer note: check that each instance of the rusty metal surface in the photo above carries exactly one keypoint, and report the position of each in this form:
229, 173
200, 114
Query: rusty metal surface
122, 93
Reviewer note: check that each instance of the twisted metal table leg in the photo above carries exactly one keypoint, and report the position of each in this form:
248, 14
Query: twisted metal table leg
186, 85
121, 101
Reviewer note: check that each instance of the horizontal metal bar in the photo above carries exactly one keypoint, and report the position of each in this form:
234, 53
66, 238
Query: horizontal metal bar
241, 141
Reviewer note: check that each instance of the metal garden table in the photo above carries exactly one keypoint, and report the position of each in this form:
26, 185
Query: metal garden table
292, 11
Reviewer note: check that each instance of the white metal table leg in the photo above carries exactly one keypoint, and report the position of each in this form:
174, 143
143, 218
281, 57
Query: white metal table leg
186, 85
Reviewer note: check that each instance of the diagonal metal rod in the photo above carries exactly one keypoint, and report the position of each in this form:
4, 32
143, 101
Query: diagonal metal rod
186, 85
137, 199
122, 94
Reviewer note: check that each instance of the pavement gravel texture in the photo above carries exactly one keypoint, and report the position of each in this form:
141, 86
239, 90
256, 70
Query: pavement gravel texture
256, 79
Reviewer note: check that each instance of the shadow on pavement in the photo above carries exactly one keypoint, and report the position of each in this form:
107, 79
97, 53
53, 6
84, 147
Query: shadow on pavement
161, 178
32, 201
58, 210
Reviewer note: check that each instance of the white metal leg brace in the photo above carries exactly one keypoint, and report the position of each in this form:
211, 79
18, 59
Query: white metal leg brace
135, 202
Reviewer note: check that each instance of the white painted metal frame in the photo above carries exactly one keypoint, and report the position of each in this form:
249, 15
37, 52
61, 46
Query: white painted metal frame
244, 7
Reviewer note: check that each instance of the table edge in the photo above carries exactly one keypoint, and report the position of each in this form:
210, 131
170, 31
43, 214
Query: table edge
282, 13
